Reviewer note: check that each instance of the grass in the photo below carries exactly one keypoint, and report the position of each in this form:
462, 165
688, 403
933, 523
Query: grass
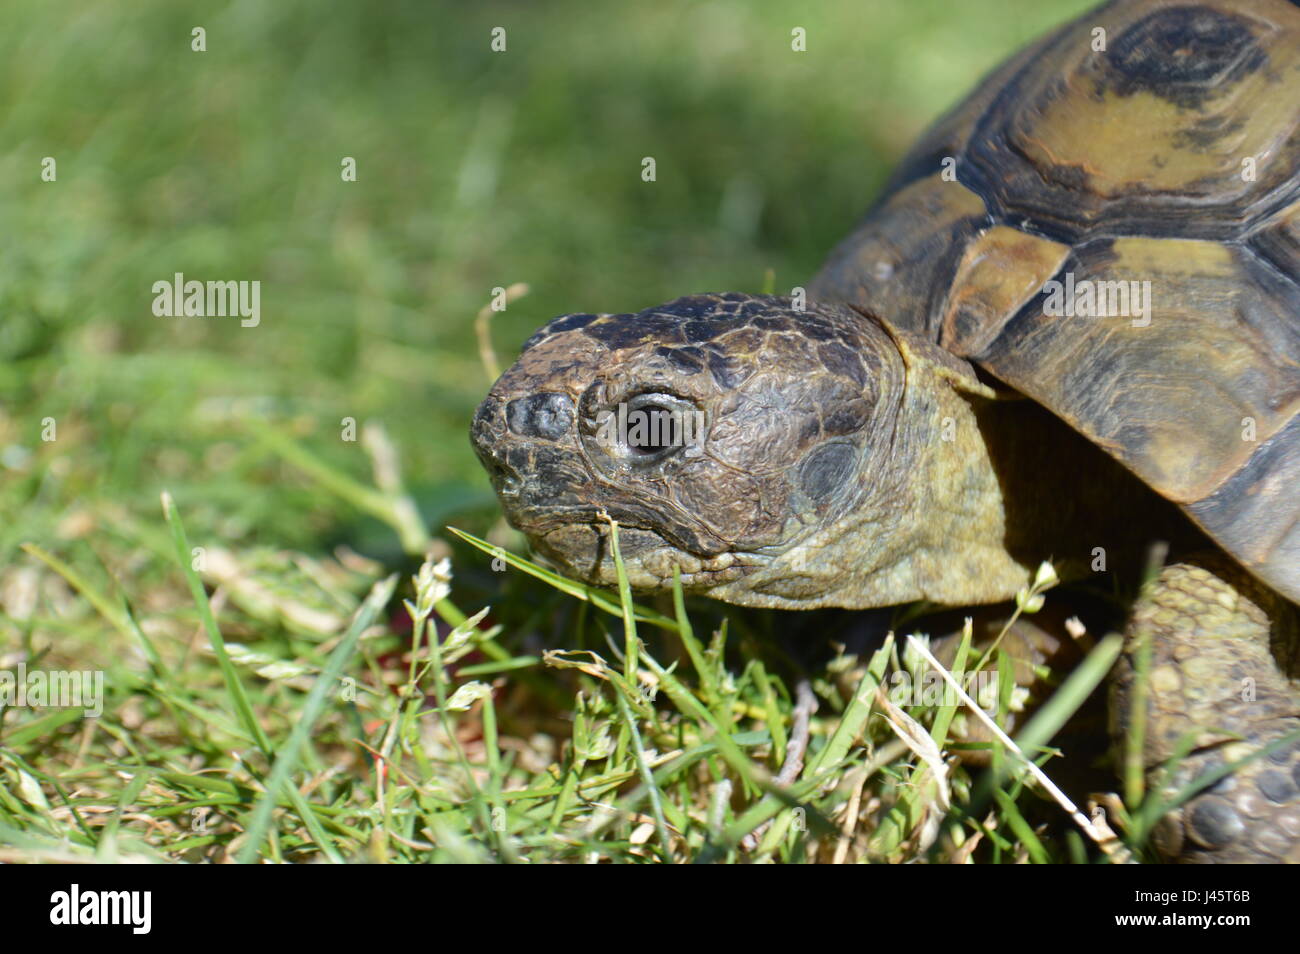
303, 660
363, 744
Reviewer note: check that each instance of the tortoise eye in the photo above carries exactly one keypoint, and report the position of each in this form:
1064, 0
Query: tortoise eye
649, 427
652, 429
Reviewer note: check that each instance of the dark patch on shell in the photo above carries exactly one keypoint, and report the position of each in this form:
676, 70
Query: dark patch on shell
1204, 135
1183, 54
1197, 57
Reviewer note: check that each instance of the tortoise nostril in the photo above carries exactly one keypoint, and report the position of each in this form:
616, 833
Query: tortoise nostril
547, 415
505, 479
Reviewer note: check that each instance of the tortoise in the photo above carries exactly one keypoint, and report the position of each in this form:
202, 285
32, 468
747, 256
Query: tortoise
1070, 327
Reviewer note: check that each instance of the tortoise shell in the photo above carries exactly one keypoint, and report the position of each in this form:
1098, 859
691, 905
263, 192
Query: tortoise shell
1110, 225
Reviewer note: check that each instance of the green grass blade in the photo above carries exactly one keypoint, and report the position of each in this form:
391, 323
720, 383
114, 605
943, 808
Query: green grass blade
238, 696
289, 755
579, 591
626, 609
83, 586
1070, 697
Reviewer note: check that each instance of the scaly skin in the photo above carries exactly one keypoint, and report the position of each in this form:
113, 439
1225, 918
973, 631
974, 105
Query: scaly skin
1210, 631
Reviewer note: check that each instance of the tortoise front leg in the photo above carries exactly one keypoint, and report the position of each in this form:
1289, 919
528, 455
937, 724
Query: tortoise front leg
1214, 638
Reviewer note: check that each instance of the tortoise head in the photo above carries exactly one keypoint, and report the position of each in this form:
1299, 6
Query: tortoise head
726, 435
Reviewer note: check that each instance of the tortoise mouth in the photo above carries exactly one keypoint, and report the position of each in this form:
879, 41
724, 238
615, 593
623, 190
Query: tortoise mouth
638, 528
582, 548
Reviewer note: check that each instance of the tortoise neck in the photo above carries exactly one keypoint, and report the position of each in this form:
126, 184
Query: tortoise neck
961, 546
984, 490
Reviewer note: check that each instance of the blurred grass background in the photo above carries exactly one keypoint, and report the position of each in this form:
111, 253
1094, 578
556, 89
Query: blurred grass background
475, 169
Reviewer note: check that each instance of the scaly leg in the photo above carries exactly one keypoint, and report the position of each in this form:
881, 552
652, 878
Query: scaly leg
1216, 638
